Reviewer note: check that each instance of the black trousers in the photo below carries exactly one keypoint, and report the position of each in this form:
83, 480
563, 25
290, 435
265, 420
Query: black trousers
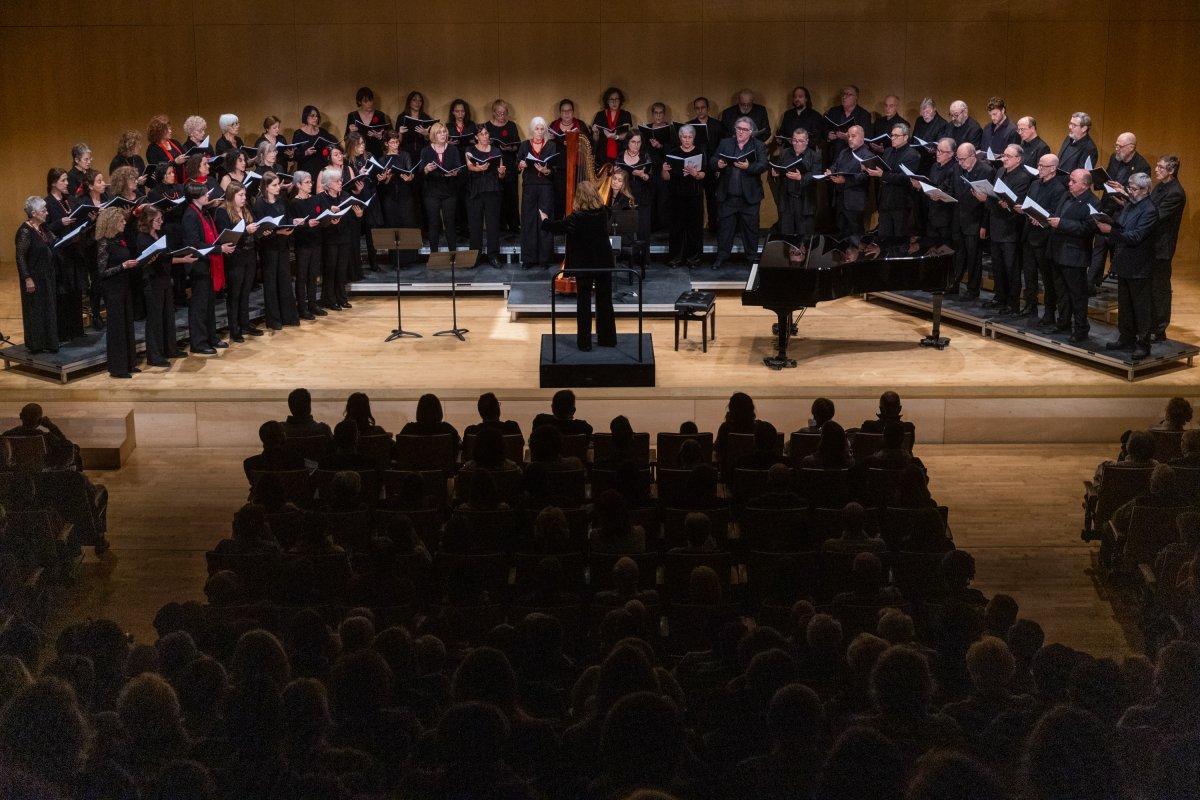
537, 245
1006, 272
372, 257
179, 284
440, 212
737, 216
160, 317
68, 308
687, 227
1160, 288
967, 260
483, 210
121, 347
606, 322
202, 314
1035, 265
239, 278
1135, 309
278, 297
510, 202
895, 225
1102, 248
1076, 281
308, 267
849, 223
335, 261
710, 202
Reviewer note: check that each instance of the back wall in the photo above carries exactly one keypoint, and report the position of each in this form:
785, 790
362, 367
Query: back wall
82, 70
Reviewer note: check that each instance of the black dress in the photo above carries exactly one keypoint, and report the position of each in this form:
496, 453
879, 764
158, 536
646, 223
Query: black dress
278, 297
312, 164
71, 271
440, 191
588, 248
378, 121
35, 259
239, 276
307, 242
395, 201
687, 207
111, 254
483, 200
537, 194
641, 189
160, 306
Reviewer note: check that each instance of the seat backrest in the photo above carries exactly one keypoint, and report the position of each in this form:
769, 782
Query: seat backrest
737, 447
509, 484
1187, 480
748, 484
864, 444
829, 488
782, 577
879, 486
433, 482
1150, 530
258, 571
902, 526
491, 529
514, 447
310, 448
427, 521
368, 491
378, 446
775, 529
420, 452
25, 453
565, 487
575, 445
1118, 486
487, 570
605, 479
801, 445
296, 484
1167, 445
916, 574
350, 529
667, 448
602, 447
525, 568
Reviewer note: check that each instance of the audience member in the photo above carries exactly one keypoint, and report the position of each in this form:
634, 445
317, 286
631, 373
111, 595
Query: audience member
697, 532
251, 533
300, 420
1189, 445
61, 452
779, 492
358, 411
833, 451
612, 532
626, 578
854, 538
562, 416
345, 455
489, 419
889, 411
488, 452
276, 456
1177, 417
822, 411
902, 689
739, 418
429, 421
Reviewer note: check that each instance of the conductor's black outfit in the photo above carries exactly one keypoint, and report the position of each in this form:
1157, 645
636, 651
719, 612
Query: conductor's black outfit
588, 248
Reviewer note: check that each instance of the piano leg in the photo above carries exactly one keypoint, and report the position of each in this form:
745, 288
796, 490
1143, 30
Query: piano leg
935, 339
783, 330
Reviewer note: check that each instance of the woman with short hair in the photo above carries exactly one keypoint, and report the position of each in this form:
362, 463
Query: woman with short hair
443, 164
36, 267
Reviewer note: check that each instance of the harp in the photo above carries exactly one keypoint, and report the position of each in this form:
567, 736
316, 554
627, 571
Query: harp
580, 168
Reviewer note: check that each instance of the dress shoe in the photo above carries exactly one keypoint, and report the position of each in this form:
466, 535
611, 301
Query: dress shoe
236, 337
1028, 311
135, 370
334, 307
273, 326
693, 262
307, 315
1047, 322
121, 375
674, 262
1140, 351
177, 354
1118, 344
158, 362
718, 265
204, 351
346, 304
1158, 336
585, 347
318, 311
1077, 337
1062, 327
254, 332
991, 304
220, 345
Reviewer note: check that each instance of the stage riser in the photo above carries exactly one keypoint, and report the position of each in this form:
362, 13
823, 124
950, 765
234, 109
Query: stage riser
234, 421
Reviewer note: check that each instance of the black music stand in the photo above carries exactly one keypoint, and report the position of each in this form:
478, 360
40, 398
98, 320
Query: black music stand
440, 259
395, 240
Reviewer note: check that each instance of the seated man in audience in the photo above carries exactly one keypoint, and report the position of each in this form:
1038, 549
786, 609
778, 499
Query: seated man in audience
251, 533
779, 493
276, 456
345, 453
889, 411
562, 416
991, 666
868, 579
1190, 446
697, 529
61, 452
300, 420
766, 448
822, 412
1138, 451
893, 454
625, 576
854, 538
1164, 493
956, 571
489, 416
545, 449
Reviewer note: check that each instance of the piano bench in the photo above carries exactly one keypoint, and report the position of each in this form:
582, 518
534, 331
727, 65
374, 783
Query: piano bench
696, 306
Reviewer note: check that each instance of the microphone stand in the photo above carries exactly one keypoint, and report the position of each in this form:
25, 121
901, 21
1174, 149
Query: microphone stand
380, 235
455, 330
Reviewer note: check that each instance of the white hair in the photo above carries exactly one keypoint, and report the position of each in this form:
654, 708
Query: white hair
33, 204
227, 121
193, 124
533, 123
330, 174
687, 129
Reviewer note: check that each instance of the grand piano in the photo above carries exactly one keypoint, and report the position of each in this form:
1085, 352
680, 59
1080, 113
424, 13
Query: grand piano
795, 273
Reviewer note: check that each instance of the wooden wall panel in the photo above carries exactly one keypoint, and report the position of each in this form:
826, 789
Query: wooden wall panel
533, 52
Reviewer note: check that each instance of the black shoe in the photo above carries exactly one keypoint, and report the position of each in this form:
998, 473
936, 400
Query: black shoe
346, 304
273, 326
254, 331
235, 337
97, 324
992, 304
307, 315
334, 307
101, 547
121, 375
1028, 311
177, 354
1118, 344
718, 265
135, 370
1158, 336
162, 362
1047, 322
220, 345
1077, 337
693, 262
1140, 351
204, 351
674, 262
585, 347
318, 311
1062, 327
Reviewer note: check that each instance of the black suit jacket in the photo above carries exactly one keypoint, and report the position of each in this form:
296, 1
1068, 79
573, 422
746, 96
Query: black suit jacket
752, 190
968, 212
1074, 153
1170, 199
1005, 225
969, 131
762, 123
1120, 171
895, 188
1133, 235
1047, 194
1071, 241
853, 193
999, 136
587, 238
1034, 150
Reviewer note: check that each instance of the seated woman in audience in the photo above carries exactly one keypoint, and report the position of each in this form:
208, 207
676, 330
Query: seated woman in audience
358, 409
314, 538
484, 495
911, 489
697, 531
854, 538
867, 579
551, 532
611, 530
1177, 417
251, 534
833, 451
429, 421
625, 578
545, 449
345, 453
956, 571
766, 451
489, 452
344, 493
739, 418
704, 587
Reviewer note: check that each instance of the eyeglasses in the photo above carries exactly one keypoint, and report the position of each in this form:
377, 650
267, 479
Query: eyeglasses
963, 158
899, 135
1119, 146
743, 130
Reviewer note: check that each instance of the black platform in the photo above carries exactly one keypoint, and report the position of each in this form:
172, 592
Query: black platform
601, 366
1164, 355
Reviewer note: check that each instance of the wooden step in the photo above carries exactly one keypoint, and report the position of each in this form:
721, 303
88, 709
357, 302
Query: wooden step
105, 439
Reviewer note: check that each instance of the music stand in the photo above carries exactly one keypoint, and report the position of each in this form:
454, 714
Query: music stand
439, 259
395, 240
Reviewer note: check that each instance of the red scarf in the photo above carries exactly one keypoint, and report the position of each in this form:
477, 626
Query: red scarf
611, 118
216, 262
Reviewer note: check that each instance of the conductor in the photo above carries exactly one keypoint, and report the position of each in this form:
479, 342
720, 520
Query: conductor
588, 248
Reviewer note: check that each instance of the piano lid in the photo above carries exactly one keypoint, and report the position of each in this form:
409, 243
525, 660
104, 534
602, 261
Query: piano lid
827, 252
